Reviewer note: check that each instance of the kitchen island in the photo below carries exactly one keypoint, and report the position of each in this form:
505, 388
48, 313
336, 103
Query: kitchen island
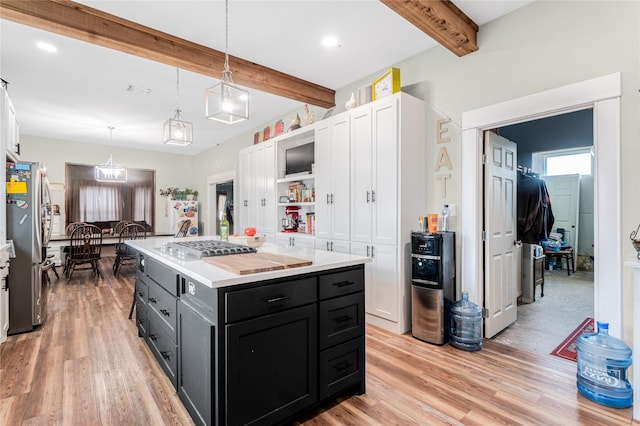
260, 348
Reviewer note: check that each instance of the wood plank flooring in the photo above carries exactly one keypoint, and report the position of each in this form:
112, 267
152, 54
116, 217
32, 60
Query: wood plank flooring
86, 366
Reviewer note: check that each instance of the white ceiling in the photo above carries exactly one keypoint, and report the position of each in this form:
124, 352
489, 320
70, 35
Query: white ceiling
76, 93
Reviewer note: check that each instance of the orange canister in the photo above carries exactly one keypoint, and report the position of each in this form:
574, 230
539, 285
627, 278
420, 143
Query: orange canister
432, 220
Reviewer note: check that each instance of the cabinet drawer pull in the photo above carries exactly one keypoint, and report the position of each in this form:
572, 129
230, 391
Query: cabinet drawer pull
140, 294
152, 300
344, 318
153, 337
165, 355
141, 322
344, 365
165, 312
343, 283
277, 299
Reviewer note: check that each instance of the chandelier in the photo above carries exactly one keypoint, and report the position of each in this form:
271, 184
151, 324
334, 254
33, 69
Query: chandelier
110, 171
226, 102
176, 131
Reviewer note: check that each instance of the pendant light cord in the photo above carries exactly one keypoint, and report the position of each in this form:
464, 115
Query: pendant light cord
226, 35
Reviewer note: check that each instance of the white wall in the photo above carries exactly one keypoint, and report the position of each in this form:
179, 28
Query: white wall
171, 170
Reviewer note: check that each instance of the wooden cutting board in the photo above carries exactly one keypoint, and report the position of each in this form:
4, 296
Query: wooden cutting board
251, 263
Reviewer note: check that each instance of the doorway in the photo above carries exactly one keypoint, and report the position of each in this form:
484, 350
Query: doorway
603, 95
219, 200
547, 150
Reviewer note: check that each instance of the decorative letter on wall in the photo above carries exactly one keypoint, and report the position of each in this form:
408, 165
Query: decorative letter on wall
443, 156
440, 130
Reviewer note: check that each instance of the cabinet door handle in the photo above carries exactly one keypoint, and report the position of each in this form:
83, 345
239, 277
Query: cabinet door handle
328, 246
152, 300
343, 318
153, 338
278, 299
328, 199
373, 251
165, 355
367, 251
343, 283
373, 196
342, 366
331, 245
368, 199
165, 312
140, 295
331, 198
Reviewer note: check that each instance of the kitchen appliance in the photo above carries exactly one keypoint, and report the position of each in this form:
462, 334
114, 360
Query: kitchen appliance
433, 284
29, 226
205, 248
176, 212
290, 224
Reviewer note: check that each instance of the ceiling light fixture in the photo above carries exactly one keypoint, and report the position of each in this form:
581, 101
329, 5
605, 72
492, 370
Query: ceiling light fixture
47, 47
226, 102
330, 41
110, 171
177, 131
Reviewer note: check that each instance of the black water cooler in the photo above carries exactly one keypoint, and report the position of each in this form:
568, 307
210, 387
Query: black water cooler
433, 284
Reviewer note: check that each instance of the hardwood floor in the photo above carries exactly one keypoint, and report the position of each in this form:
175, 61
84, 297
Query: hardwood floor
86, 366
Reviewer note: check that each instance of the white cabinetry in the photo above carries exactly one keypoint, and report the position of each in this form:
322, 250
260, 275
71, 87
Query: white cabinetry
295, 239
257, 197
332, 180
387, 181
10, 128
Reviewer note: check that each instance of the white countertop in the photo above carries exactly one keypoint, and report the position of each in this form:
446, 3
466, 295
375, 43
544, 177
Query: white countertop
215, 277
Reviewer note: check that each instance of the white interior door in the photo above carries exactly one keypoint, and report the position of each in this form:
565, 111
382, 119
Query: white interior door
564, 192
501, 276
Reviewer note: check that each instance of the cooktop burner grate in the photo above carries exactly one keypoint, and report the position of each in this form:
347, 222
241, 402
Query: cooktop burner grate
209, 248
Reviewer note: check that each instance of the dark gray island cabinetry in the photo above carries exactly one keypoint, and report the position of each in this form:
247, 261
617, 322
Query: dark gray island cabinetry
263, 351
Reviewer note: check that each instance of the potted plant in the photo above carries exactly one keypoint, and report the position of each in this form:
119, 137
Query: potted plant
191, 194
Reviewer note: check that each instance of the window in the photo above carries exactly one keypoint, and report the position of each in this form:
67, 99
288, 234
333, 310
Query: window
88, 200
564, 162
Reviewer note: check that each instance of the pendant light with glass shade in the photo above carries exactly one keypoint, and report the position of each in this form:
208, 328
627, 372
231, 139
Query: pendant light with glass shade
177, 131
110, 171
226, 102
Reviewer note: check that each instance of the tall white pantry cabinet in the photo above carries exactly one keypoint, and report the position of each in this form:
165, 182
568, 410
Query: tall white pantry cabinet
369, 189
387, 198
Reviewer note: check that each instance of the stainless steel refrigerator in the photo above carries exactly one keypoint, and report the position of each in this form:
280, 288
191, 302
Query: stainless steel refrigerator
28, 225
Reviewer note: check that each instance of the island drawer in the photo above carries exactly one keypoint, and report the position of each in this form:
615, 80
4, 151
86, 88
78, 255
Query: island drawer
164, 306
341, 319
342, 367
142, 289
164, 350
141, 318
341, 283
161, 274
269, 298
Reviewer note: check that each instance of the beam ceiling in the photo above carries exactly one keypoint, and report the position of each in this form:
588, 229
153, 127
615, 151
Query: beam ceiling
441, 20
84, 23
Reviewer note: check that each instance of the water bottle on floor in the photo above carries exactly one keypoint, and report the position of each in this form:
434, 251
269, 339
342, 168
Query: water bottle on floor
602, 368
465, 331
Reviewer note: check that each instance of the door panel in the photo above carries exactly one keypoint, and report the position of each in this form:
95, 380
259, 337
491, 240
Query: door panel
564, 192
501, 272
361, 157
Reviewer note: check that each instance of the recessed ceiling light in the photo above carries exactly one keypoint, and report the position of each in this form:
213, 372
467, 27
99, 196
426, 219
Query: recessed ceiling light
330, 41
47, 47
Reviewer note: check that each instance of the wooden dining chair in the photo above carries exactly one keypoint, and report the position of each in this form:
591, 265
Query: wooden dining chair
124, 253
85, 247
65, 251
117, 229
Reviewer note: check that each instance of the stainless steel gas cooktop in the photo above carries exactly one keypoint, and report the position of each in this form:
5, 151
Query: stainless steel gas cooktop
208, 248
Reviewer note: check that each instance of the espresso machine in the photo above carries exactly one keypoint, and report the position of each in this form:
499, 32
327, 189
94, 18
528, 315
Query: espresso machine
290, 223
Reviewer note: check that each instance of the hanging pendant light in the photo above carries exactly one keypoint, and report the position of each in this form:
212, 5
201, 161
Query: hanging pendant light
110, 171
226, 102
177, 131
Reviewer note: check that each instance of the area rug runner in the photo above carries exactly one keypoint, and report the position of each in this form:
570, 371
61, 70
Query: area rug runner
568, 349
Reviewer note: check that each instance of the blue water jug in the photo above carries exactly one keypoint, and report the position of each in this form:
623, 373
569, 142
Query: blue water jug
465, 319
602, 368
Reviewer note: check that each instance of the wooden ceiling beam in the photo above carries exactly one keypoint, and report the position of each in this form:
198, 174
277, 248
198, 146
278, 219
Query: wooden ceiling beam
441, 20
84, 23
